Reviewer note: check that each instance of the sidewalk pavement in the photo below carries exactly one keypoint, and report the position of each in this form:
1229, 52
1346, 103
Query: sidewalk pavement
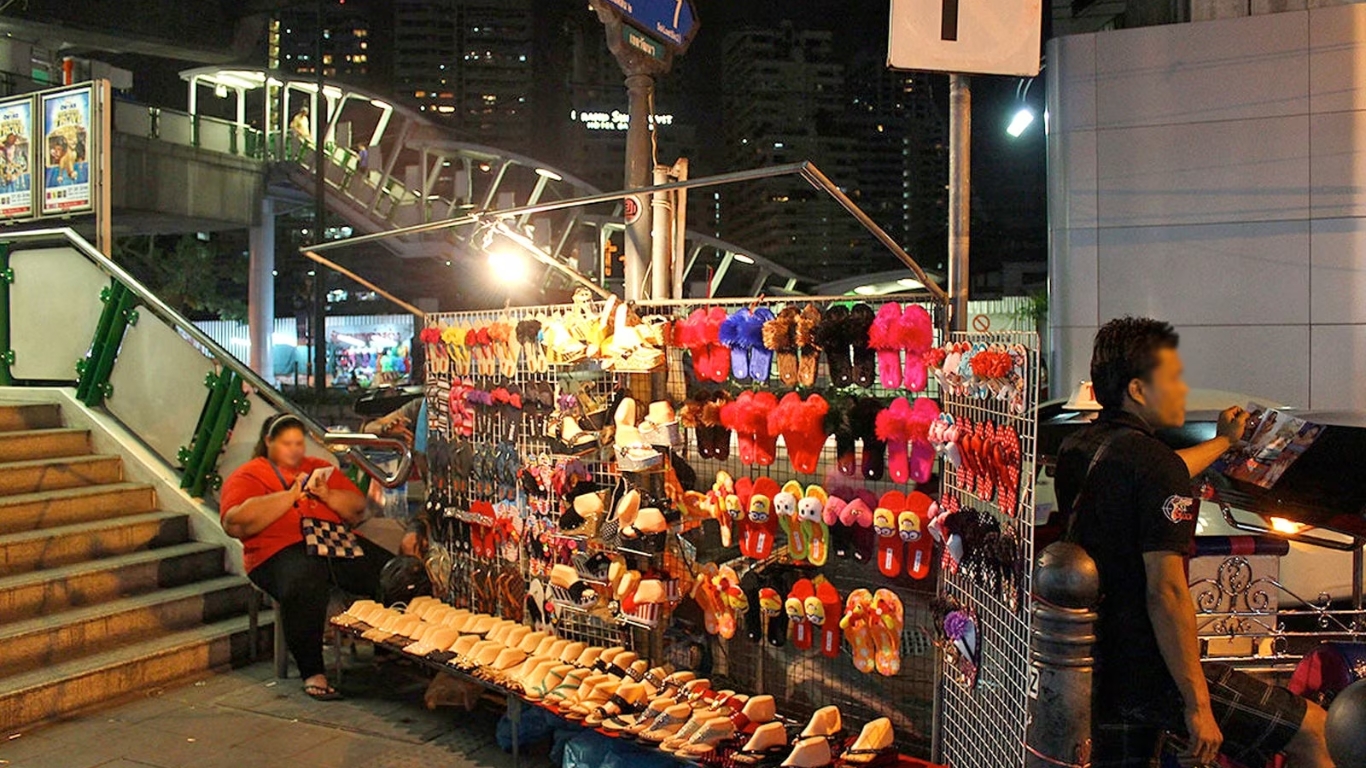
246, 717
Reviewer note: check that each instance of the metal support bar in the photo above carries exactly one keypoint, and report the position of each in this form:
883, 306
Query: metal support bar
94, 382
960, 197
192, 456
348, 273
6, 351
1267, 530
220, 425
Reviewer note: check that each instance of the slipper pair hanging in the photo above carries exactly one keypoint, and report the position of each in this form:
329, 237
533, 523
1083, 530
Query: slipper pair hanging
905, 428
814, 610
873, 624
801, 422
759, 524
904, 545
801, 516
702, 414
850, 420
791, 337
843, 335
748, 416
700, 334
848, 514
894, 331
743, 334
723, 601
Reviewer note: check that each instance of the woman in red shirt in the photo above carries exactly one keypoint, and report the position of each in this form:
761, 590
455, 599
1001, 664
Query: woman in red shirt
263, 503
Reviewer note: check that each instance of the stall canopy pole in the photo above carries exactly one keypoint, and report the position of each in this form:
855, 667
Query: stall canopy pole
960, 191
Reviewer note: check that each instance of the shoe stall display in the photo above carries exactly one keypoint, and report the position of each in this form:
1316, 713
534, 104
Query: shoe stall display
721, 531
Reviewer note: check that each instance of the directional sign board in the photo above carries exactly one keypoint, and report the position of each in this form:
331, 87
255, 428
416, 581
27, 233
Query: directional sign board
672, 22
991, 37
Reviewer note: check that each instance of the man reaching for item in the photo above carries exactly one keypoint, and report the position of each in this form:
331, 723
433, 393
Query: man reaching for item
1134, 513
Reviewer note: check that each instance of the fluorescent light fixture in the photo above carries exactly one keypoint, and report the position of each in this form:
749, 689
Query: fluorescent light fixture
866, 290
549, 174
508, 268
1022, 120
909, 283
285, 338
238, 341
380, 104
352, 340
743, 259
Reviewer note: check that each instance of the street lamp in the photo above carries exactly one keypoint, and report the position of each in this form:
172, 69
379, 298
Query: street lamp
1021, 121
508, 268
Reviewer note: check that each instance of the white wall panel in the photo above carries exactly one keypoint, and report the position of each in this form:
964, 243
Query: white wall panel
1339, 354
1338, 272
1338, 164
1265, 361
1073, 273
1218, 274
1337, 58
1198, 173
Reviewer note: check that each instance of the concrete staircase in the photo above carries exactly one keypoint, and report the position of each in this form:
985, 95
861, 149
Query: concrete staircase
101, 593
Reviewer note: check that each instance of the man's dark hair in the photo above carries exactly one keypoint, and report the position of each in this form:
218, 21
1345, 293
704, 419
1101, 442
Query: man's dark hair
1126, 349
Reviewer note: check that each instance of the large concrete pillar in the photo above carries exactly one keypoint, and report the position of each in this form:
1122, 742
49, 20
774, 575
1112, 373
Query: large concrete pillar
261, 290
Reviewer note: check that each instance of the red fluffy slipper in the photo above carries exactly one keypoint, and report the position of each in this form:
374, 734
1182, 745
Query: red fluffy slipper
802, 425
924, 413
893, 429
885, 338
747, 415
690, 334
717, 355
917, 335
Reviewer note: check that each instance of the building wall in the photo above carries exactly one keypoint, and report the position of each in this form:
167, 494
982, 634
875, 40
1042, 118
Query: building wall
1214, 174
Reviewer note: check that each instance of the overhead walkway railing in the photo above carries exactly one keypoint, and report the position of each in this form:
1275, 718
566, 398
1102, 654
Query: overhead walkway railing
68, 313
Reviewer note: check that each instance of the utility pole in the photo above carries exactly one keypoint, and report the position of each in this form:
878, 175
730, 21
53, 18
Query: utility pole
960, 195
318, 322
640, 69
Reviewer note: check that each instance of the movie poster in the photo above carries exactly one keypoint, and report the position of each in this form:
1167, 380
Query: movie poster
16, 145
66, 138
1272, 441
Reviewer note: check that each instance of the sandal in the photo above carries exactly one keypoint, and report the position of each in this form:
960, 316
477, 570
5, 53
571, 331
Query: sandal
322, 692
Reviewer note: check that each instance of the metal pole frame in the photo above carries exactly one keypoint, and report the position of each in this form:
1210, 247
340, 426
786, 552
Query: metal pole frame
806, 170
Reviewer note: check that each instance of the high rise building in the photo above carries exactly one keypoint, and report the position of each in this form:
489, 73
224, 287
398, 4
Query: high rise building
349, 33
784, 102
468, 63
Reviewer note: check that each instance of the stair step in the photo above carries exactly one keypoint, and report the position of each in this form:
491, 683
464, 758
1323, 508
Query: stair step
18, 417
50, 509
62, 689
55, 547
56, 474
26, 444
56, 589
60, 637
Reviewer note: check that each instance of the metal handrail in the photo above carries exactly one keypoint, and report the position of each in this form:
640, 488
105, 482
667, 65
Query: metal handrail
268, 393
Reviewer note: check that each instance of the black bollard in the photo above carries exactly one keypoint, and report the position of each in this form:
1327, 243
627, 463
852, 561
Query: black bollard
1066, 590
1345, 730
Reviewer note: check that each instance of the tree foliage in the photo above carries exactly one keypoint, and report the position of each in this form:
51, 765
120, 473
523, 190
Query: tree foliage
200, 278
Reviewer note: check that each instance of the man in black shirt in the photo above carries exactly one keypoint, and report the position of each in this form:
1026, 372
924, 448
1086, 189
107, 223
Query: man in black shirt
1134, 513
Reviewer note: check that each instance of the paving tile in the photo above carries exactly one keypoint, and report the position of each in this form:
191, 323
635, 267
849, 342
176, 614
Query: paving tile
22, 747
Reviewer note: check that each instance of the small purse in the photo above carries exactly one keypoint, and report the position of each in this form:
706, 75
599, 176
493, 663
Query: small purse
325, 538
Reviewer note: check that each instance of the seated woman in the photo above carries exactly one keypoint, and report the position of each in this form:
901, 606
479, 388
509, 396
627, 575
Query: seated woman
264, 503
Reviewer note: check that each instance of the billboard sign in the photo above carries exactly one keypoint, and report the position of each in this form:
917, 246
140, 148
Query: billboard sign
67, 138
990, 37
16, 158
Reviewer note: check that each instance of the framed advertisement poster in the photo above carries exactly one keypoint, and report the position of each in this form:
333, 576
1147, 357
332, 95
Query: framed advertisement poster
16, 159
67, 124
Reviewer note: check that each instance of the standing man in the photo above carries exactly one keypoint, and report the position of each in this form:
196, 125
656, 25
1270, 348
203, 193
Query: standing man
1134, 513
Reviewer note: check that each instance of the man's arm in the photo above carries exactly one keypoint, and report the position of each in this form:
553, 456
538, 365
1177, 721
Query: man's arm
1232, 422
1173, 617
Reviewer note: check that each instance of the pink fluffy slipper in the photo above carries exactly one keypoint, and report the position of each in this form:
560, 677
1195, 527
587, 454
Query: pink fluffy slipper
885, 336
917, 337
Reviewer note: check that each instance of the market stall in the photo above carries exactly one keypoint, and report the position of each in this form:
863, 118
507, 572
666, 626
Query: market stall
739, 532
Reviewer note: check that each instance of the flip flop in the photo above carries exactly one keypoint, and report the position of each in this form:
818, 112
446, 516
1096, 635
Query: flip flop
856, 627
795, 607
915, 531
732, 599
891, 549
705, 595
811, 524
889, 619
823, 610
322, 693
785, 507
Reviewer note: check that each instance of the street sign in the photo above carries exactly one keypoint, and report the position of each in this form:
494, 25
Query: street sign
991, 37
631, 208
672, 22
642, 42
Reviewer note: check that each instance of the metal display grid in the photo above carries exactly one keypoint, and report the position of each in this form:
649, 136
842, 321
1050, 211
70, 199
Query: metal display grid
985, 725
801, 681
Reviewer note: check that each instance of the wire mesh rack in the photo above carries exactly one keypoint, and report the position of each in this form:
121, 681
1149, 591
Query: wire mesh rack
982, 722
800, 680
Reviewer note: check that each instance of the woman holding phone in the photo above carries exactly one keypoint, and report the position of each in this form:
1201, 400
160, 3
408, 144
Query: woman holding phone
270, 503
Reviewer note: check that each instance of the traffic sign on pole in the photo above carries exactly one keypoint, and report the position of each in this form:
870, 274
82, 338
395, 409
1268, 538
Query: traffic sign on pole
990, 37
672, 22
